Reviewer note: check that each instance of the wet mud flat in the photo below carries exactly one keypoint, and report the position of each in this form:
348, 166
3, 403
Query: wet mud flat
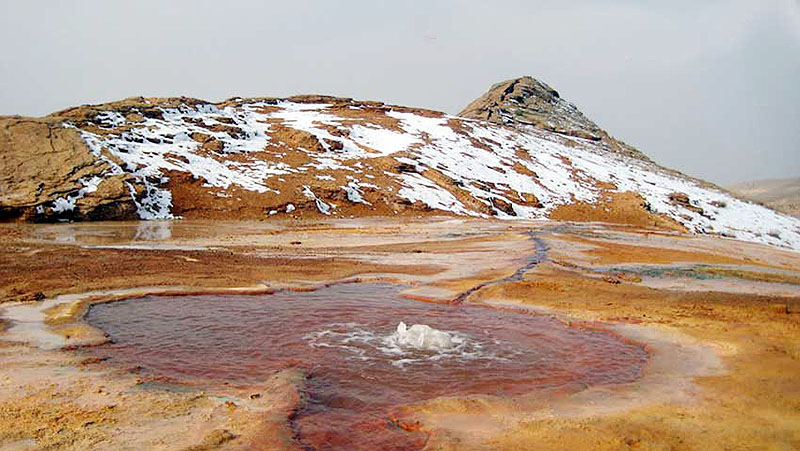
345, 340
722, 339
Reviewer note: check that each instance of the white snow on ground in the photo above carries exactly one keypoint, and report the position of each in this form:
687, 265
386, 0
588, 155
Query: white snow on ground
67, 203
155, 146
561, 182
381, 140
354, 194
311, 118
323, 208
456, 156
418, 188
484, 160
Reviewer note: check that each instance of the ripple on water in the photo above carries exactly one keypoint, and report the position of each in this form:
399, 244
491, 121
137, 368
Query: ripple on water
346, 337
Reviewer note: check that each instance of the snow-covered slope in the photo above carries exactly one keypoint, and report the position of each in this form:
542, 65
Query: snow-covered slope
304, 157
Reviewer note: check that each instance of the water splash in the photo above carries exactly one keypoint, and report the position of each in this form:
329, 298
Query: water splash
422, 336
417, 345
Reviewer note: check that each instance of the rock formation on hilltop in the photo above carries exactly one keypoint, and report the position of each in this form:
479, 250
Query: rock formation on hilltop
528, 101
312, 156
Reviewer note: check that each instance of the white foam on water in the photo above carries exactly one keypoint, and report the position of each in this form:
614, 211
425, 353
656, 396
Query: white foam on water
422, 336
408, 345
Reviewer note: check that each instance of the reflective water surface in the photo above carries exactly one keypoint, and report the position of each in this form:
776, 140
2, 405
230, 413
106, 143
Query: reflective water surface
345, 338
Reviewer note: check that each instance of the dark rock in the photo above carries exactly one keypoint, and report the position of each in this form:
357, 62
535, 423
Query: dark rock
153, 114
407, 168
504, 206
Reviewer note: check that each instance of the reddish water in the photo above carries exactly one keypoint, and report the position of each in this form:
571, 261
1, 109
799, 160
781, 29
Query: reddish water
356, 374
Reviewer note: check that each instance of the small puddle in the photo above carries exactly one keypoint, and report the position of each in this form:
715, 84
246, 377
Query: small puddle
360, 361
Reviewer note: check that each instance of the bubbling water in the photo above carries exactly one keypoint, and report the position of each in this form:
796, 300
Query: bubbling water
408, 347
360, 356
423, 336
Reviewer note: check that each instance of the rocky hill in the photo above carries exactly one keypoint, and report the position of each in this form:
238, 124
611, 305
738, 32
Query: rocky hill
527, 101
307, 156
780, 194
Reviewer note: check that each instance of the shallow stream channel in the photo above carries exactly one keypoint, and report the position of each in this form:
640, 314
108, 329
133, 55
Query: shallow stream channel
364, 350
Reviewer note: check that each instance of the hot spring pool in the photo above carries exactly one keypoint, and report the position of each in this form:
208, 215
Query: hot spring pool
360, 361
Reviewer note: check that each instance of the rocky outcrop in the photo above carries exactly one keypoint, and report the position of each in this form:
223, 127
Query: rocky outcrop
530, 102
49, 173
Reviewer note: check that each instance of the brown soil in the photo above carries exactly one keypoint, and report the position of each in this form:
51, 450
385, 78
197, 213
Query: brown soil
52, 269
608, 253
616, 208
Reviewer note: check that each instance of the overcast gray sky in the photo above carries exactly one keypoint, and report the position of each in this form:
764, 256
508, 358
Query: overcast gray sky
708, 87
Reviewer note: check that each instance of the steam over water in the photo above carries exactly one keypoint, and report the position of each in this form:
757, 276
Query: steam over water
360, 359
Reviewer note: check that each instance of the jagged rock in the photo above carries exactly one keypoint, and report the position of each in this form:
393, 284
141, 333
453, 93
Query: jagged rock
406, 168
200, 137
530, 200
527, 101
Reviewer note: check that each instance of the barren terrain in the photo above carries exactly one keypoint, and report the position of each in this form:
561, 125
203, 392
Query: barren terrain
719, 318
781, 194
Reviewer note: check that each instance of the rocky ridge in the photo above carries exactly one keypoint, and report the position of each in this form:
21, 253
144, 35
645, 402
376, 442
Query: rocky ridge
530, 102
311, 156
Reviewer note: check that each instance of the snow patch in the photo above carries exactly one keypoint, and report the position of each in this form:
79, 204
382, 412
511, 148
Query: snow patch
323, 207
354, 194
67, 203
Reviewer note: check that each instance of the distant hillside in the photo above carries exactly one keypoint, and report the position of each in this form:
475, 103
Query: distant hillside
311, 156
780, 194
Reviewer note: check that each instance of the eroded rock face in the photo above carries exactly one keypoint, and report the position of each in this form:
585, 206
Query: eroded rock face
527, 101
49, 173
